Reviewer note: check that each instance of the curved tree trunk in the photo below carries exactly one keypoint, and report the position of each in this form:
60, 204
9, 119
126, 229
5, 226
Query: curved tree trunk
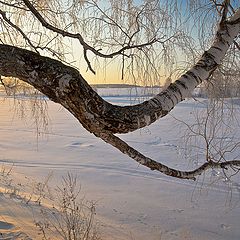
64, 84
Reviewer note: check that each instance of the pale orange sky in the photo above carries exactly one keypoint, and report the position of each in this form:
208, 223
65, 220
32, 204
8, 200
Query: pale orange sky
106, 73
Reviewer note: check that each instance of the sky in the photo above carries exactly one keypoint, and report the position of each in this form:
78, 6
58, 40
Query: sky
111, 72
106, 73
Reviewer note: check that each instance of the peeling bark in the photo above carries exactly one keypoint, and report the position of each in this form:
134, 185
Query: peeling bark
65, 85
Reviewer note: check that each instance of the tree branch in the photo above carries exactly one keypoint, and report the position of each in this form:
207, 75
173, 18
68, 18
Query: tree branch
112, 118
3, 14
65, 85
78, 36
13, 5
154, 165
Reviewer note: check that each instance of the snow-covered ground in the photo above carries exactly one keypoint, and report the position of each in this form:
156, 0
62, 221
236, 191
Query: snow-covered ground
132, 202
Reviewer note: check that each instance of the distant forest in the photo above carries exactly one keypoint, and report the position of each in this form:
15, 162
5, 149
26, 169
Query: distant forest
120, 86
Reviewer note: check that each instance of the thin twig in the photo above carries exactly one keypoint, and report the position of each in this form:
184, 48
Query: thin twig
78, 36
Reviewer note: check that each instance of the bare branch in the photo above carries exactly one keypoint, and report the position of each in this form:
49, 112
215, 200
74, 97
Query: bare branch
18, 29
154, 165
14, 5
64, 84
81, 40
118, 119
225, 6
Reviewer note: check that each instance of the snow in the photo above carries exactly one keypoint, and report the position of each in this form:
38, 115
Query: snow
131, 200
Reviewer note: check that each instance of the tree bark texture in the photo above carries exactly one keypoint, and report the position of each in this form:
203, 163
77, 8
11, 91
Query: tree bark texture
65, 85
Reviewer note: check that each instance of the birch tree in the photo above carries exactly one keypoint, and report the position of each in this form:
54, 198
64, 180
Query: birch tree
142, 36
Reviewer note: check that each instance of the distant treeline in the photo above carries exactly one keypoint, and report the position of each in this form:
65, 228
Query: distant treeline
120, 86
